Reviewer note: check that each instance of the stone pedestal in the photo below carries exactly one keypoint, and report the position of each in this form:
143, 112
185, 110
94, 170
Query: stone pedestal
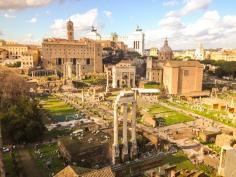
115, 154
125, 153
133, 151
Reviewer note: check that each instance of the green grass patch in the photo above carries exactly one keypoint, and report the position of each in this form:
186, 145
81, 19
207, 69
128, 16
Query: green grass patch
152, 85
208, 112
57, 109
182, 162
49, 153
9, 165
170, 116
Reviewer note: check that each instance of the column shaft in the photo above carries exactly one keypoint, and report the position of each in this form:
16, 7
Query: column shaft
125, 150
133, 151
115, 147
115, 125
133, 122
125, 139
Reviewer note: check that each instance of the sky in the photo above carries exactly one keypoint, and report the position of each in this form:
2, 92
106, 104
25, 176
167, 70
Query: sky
186, 23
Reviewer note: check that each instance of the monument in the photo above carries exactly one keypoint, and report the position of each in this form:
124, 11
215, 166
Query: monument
68, 70
124, 100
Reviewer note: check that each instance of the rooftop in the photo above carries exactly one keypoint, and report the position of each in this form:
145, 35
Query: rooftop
183, 64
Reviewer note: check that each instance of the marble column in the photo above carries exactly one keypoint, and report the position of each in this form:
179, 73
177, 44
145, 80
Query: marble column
78, 71
69, 70
82, 96
125, 134
65, 70
107, 86
133, 151
115, 147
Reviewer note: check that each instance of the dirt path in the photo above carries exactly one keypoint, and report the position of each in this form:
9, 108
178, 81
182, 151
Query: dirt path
27, 162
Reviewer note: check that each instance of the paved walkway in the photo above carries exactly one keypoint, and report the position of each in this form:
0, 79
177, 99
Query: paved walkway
27, 162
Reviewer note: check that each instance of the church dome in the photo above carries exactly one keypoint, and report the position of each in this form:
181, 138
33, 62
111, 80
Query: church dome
166, 52
166, 47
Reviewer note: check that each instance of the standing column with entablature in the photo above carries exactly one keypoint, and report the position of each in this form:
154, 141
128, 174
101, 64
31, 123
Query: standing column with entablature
124, 100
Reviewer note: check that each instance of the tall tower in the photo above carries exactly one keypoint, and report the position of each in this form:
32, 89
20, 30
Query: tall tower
70, 30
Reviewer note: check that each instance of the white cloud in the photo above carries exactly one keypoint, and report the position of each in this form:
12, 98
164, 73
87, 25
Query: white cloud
1, 33
107, 13
21, 4
210, 29
7, 15
33, 20
170, 2
189, 7
82, 23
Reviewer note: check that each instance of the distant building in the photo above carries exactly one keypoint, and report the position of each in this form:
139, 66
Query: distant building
200, 53
184, 54
27, 55
135, 41
166, 52
86, 53
153, 52
227, 55
3, 55
29, 59
182, 77
112, 42
154, 70
123, 74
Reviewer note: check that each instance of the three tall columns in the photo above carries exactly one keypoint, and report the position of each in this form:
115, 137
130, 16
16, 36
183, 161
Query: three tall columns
123, 154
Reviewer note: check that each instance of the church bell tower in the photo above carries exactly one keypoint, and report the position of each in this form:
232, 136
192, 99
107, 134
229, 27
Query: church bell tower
70, 30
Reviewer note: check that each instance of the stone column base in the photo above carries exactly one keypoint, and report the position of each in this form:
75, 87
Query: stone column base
134, 151
125, 153
115, 154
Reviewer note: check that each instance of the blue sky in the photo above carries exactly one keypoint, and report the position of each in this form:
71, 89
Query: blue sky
185, 22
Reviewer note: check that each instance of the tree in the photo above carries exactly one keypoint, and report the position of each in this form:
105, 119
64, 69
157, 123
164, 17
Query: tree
19, 113
23, 122
12, 86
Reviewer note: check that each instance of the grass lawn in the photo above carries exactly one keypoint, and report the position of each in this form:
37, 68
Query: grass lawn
209, 113
9, 165
48, 153
57, 109
182, 162
171, 117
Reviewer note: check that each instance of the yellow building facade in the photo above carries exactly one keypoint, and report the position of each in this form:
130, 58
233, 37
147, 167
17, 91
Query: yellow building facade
227, 55
28, 55
153, 52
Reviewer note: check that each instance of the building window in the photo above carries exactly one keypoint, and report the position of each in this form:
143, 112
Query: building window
74, 61
88, 61
59, 61
186, 72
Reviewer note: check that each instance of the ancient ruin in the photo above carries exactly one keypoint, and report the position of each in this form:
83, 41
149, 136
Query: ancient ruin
124, 100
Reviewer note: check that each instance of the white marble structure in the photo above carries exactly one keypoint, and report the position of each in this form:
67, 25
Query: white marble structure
135, 41
200, 53
124, 100
107, 85
123, 75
